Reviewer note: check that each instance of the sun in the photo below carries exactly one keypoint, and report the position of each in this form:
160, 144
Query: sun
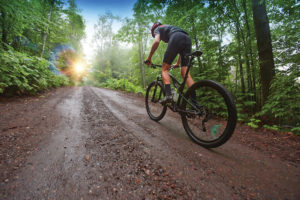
79, 68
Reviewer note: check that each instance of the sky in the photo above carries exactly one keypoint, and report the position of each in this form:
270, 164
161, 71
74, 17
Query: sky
90, 11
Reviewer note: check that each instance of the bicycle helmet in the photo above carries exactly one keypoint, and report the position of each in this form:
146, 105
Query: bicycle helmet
155, 25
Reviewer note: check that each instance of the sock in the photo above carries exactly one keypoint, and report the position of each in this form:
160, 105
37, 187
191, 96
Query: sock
168, 89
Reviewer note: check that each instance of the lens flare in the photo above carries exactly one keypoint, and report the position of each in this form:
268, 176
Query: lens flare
57, 52
79, 68
65, 60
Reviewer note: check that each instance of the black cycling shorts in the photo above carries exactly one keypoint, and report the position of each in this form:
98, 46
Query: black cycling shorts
179, 43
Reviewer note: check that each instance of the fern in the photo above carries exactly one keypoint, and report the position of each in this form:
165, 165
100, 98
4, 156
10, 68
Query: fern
24, 74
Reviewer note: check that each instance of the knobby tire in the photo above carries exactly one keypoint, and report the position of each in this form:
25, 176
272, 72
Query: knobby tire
229, 120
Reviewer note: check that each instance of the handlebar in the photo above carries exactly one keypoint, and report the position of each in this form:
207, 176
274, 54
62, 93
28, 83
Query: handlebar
154, 66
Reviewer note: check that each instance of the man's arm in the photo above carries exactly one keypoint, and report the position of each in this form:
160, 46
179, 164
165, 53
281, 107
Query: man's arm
154, 47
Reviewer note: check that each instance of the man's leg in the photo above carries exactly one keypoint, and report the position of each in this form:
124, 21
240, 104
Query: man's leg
170, 55
166, 80
165, 73
189, 80
189, 83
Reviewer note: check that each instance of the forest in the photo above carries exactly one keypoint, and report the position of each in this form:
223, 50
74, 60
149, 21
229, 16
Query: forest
39, 38
249, 46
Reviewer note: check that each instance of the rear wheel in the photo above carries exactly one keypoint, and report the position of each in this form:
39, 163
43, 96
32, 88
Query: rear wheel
210, 116
155, 92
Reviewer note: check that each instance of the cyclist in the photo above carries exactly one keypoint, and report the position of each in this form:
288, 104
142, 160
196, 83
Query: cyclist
178, 43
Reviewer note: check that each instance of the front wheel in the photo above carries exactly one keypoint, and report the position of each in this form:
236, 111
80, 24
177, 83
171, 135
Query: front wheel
155, 109
210, 115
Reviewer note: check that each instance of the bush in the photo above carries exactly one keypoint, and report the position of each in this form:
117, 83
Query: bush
244, 106
24, 74
283, 105
253, 123
123, 85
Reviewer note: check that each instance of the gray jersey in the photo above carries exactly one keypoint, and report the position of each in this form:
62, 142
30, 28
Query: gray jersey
165, 31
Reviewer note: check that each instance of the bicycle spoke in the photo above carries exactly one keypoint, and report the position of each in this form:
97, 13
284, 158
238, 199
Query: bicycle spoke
215, 122
155, 110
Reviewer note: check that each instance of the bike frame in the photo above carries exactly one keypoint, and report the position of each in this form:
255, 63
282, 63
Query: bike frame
179, 87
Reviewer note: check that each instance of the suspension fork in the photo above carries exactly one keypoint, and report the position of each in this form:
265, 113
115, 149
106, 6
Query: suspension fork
155, 88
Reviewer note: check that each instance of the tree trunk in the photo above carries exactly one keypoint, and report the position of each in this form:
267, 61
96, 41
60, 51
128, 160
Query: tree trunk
249, 46
245, 42
4, 36
249, 80
240, 56
3, 28
264, 46
221, 74
141, 56
236, 78
142, 63
197, 44
47, 27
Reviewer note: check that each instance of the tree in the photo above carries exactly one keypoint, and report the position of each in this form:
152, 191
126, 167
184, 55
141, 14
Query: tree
138, 8
74, 25
226, 30
13, 19
136, 31
264, 45
103, 28
47, 27
248, 46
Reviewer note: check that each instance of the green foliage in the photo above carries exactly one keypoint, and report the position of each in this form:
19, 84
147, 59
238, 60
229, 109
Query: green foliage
296, 130
284, 15
283, 105
25, 23
253, 123
122, 84
244, 105
274, 127
33, 27
24, 74
225, 32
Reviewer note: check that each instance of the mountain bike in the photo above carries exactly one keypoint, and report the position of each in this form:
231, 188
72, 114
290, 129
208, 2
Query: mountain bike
207, 110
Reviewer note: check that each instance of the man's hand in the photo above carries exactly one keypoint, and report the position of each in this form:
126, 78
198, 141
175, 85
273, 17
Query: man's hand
148, 62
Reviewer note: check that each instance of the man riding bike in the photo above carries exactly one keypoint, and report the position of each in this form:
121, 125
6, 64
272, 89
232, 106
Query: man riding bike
178, 43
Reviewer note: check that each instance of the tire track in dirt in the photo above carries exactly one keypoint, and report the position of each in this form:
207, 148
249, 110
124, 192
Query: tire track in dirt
32, 118
170, 151
100, 144
124, 163
56, 171
233, 169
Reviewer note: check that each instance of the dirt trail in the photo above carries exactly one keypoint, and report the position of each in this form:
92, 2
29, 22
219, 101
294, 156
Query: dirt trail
91, 143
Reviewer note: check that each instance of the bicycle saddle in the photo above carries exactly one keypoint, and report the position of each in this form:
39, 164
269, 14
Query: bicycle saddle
195, 53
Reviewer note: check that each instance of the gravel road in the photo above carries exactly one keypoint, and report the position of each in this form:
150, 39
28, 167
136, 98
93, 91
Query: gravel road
93, 143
